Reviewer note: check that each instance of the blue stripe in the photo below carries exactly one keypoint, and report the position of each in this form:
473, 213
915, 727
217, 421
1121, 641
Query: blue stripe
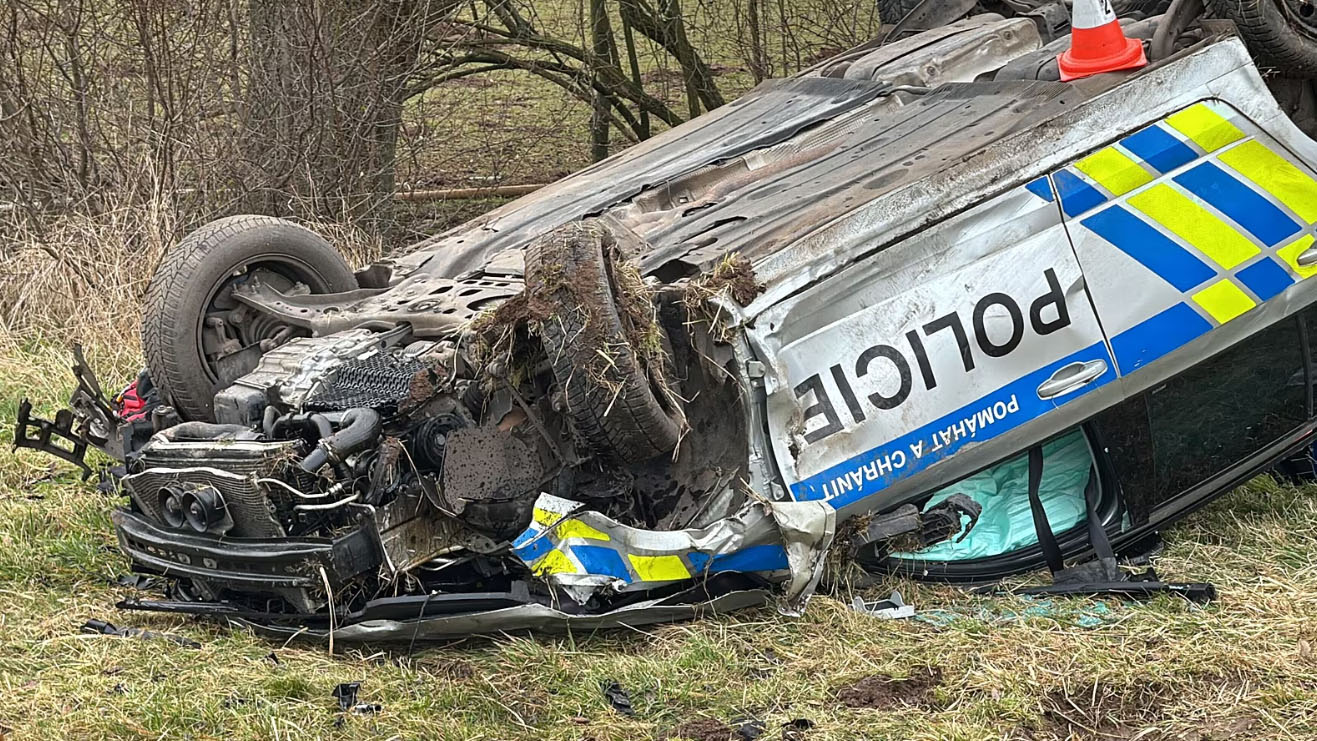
1077, 196
753, 558
1265, 278
1259, 216
1159, 149
1153, 338
1000, 411
530, 545
1147, 245
1041, 188
596, 559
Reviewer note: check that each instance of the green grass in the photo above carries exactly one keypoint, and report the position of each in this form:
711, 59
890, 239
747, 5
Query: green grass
1243, 666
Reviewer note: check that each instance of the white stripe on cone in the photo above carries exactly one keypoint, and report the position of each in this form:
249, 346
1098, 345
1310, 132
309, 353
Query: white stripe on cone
1092, 13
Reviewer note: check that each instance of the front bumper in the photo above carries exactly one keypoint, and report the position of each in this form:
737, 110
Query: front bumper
247, 563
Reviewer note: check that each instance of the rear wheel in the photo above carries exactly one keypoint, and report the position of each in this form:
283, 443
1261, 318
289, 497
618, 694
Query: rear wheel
196, 337
1280, 33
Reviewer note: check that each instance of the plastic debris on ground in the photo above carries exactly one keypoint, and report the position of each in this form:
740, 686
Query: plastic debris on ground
892, 608
346, 694
100, 627
618, 698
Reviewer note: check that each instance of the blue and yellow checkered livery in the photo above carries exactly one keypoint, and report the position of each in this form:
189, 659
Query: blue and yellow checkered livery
1184, 226
571, 547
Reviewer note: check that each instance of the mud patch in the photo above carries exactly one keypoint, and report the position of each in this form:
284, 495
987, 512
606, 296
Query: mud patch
734, 275
883, 692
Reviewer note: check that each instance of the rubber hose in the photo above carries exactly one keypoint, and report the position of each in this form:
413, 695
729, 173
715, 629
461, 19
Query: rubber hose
361, 428
1175, 20
267, 421
321, 422
207, 431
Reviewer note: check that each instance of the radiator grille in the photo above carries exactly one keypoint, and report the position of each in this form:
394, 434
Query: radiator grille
232, 468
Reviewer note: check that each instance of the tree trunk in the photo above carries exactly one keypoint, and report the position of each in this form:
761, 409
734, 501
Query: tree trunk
600, 34
324, 102
758, 58
666, 26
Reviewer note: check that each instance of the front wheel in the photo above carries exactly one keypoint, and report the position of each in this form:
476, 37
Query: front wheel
605, 344
196, 337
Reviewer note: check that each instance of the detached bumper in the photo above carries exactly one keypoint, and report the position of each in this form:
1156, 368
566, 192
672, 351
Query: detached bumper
247, 563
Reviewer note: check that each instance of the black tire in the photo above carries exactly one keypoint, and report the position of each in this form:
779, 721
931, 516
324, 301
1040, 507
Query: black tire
1275, 35
892, 11
618, 407
191, 275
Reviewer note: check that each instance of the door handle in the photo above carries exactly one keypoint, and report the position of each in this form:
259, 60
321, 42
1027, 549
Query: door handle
1071, 377
1307, 258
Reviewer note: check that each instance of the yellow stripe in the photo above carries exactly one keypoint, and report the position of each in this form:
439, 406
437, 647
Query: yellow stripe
1224, 301
577, 529
554, 562
546, 517
1195, 225
1290, 254
658, 568
1276, 175
1113, 170
1207, 128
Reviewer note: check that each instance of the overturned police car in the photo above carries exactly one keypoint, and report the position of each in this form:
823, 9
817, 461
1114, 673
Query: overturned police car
923, 306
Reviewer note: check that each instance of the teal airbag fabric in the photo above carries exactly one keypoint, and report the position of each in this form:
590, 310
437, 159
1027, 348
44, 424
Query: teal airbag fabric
1006, 522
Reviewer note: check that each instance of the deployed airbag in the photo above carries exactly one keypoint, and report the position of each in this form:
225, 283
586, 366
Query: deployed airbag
1006, 523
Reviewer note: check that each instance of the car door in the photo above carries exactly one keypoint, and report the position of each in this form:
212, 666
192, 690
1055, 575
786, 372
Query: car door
956, 347
1195, 236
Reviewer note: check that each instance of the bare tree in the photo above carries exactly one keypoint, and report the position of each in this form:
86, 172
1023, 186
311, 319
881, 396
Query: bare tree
327, 84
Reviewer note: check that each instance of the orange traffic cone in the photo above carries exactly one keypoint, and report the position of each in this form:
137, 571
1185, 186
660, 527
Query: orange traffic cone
1097, 43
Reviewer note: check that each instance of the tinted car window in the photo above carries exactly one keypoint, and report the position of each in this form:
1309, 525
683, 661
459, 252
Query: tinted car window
1124, 433
1226, 408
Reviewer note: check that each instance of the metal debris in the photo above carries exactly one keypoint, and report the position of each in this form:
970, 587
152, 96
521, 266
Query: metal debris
892, 608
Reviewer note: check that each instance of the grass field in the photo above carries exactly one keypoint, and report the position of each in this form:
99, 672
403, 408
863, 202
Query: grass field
986, 668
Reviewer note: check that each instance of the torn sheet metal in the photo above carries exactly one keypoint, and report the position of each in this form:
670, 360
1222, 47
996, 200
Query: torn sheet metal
519, 618
585, 552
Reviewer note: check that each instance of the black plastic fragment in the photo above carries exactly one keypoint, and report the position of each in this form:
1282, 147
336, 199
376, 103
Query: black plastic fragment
617, 697
101, 627
346, 693
140, 582
109, 478
57, 438
749, 729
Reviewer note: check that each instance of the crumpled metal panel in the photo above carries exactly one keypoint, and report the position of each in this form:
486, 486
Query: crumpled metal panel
520, 618
818, 263
980, 46
774, 111
585, 553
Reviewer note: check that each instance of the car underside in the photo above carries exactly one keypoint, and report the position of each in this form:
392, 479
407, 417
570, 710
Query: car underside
646, 392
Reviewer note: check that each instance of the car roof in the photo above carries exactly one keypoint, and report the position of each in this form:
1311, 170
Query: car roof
758, 174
